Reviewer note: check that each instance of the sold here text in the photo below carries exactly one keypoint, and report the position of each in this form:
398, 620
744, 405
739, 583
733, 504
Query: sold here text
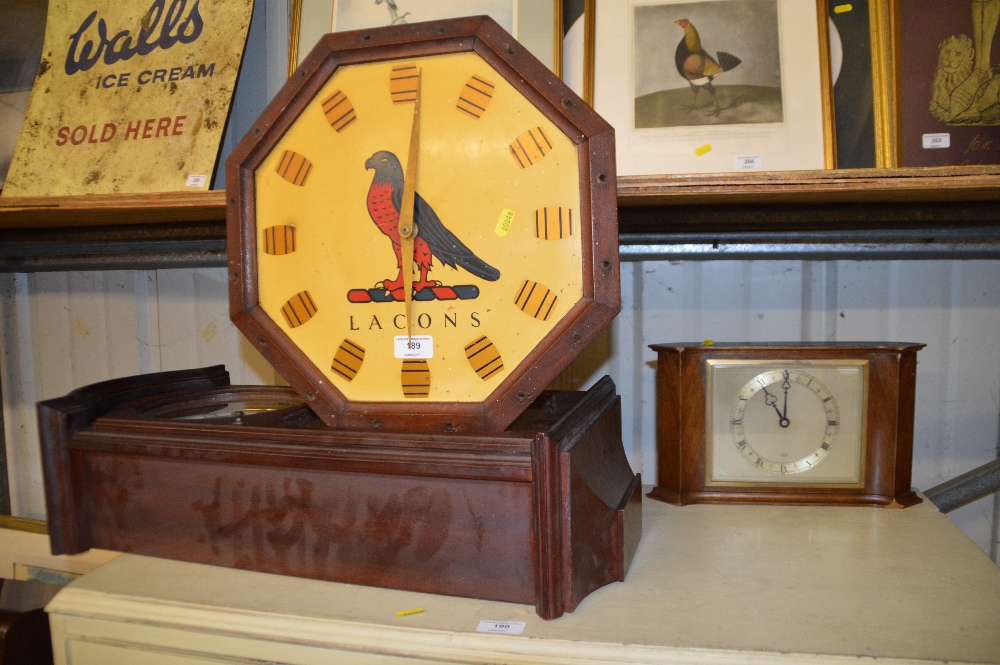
146, 128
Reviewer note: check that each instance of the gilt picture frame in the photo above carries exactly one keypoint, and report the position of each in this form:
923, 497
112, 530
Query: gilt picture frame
949, 108
308, 21
538, 25
772, 114
23, 524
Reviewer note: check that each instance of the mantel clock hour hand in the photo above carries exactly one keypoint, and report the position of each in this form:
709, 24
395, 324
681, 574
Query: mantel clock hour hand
772, 401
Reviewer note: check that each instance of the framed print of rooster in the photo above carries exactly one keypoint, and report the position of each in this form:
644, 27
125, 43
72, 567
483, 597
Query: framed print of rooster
707, 86
700, 86
949, 98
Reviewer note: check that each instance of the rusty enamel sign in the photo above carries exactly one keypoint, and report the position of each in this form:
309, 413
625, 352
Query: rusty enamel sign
131, 97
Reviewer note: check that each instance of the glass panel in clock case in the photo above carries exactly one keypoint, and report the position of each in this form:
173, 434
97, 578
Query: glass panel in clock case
783, 423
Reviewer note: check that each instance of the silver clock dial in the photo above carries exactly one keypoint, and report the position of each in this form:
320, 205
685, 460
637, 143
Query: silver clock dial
784, 421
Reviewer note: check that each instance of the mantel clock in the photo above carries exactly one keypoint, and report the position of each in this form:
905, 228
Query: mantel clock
827, 423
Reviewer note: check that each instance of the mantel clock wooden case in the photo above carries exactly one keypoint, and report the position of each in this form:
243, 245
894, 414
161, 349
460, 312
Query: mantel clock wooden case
818, 423
422, 234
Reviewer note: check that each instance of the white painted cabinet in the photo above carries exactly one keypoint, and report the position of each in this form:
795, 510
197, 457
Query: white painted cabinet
710, 584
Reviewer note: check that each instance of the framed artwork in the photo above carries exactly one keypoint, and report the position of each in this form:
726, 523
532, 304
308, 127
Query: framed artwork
579, 23
705, 86
538, 25
853, 92
310, 20
949, 101
294, 32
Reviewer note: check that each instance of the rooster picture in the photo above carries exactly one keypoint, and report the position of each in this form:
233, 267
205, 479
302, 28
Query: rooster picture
700, 68
693, 79
385, 197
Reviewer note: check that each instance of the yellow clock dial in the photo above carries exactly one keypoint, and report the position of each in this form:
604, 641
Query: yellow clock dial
497, 251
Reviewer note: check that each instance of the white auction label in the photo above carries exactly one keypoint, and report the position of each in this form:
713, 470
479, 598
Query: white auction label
418, 346
501, 627
749, 163
196, 180
932, 141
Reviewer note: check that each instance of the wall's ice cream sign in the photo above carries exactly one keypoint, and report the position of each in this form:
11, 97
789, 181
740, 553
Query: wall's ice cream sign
130, 96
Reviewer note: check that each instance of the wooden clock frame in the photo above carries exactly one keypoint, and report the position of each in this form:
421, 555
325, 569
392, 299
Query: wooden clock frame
598, 225
682, 429
544, 513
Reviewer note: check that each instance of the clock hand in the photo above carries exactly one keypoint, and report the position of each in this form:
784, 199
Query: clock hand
772, 401
785, 385
407, 227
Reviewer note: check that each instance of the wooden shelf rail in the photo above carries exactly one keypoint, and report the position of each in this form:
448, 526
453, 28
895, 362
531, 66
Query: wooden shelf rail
947, 211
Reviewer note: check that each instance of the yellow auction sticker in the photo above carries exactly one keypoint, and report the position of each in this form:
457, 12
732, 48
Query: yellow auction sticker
504, 223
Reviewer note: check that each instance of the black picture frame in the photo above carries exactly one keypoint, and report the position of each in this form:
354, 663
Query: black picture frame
853, 94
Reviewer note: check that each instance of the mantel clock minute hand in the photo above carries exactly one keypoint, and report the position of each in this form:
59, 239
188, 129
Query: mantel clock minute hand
785, 385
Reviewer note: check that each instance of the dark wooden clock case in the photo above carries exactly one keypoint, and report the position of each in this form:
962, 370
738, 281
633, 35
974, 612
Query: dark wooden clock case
543, 513
527, 498
681, 438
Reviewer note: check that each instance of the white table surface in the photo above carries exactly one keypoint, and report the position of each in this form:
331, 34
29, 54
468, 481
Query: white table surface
710, 583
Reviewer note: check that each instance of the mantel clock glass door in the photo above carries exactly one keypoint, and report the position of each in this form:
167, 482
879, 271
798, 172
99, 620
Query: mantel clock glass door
423, 219
799, 423
790, 422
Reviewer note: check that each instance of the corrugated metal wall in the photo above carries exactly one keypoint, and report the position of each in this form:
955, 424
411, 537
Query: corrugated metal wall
63, 330
59, 331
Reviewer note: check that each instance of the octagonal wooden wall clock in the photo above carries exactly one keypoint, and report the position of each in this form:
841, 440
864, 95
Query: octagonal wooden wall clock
423, 229
422, 235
